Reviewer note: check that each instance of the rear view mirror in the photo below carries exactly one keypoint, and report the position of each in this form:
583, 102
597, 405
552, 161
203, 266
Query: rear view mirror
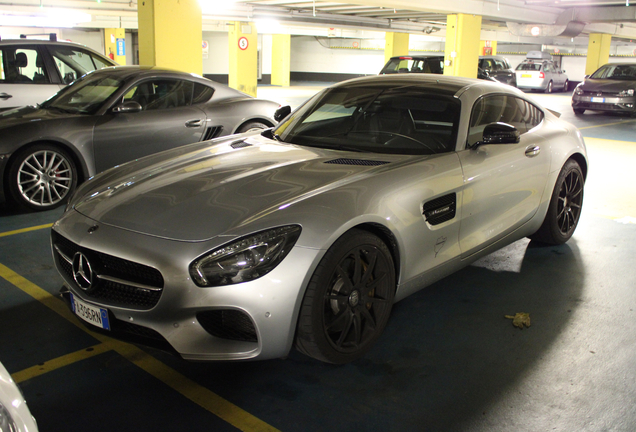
282, 112
499, 133
127, 107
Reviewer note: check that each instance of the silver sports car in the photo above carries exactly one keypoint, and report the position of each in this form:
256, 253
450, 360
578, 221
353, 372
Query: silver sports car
111, 116
306, 234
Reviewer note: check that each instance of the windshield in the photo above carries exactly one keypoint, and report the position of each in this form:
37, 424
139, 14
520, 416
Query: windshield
84, 96
616, 72
380, 119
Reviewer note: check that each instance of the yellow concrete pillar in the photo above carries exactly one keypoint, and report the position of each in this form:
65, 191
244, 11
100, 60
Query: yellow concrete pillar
170, 34
395, 44
598, 50
243, 57
462, 45
281, 60
115, 44
487, 47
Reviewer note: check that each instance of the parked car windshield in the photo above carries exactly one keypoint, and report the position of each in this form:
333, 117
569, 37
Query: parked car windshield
616, 72
382, 119
84, 96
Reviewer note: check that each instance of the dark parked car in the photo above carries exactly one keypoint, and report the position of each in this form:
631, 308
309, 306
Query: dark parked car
499, 68
111, 116
34, 70
610, 89
422, 64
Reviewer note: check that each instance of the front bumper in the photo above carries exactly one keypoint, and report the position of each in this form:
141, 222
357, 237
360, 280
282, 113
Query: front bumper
252, 320
610, 104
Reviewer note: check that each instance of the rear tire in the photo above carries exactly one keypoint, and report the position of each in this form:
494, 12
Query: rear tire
548, 89
42, 177
348, 300
251, 127
565, 206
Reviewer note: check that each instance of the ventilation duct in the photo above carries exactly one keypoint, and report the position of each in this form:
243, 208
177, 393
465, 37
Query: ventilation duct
571, 29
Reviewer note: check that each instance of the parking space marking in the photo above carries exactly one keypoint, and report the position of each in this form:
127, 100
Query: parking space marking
23, 230
607, 124
59, 362
198, 394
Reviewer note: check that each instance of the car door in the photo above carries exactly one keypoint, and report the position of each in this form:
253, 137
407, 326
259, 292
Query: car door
24, 77
503, 183
167, 120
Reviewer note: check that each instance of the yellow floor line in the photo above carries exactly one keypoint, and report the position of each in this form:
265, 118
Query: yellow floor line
607, 124
23, 230
198, 394
59, 362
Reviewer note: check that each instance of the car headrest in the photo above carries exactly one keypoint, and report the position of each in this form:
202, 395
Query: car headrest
21, 60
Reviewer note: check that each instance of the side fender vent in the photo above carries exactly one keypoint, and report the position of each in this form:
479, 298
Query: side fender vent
212, 132
440, 209
361, 162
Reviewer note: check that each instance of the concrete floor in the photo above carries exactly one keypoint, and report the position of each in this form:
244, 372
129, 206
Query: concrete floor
448, 360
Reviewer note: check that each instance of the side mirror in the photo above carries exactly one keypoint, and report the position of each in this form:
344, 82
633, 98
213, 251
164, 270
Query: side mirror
499, 133
127, 107
282, 112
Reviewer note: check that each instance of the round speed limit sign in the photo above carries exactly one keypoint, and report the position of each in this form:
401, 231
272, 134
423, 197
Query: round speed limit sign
243, 43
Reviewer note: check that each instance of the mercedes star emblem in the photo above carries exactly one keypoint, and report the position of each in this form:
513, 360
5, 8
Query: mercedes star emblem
82, 272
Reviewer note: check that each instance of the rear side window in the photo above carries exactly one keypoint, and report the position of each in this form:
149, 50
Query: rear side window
201, 93
502, 108
22, 65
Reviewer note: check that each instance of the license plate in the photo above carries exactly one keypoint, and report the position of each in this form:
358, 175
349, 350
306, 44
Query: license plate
526, 75
89, 313
598, 99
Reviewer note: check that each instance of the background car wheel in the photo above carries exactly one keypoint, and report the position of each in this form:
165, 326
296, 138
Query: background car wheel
251, 126
548, 89
578, 111
348, 301
565, 85
42, 177
565, 206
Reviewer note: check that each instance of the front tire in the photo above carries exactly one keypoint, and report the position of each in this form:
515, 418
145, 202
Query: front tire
579, 111
348, 300
565, 85
565, 206
42, 177
251, 127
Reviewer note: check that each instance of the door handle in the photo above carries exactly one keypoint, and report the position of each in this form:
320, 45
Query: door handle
5, 96
532, 151
194, 123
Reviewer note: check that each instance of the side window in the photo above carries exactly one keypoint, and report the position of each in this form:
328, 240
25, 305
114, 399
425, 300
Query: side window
531, 115
498, 108
161, 94
499, 65
201, 93
22, 66
72, 63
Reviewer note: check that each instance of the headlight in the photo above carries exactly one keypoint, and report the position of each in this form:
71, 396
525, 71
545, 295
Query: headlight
626, 93
578, 90
6, 422
245, 259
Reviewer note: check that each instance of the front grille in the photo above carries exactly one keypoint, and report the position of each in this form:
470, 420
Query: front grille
361, 162
228, 324
601, 106
600, 94
118, 282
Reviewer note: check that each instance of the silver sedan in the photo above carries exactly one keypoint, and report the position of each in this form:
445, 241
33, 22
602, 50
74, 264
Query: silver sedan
306, 234
111, 116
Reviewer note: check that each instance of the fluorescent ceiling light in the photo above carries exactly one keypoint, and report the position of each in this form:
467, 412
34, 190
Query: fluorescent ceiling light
47, 18
215, 7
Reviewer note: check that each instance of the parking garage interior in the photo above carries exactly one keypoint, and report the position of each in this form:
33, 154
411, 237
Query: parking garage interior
449, 360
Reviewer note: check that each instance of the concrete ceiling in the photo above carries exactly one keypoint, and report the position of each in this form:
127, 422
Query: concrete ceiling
507, 19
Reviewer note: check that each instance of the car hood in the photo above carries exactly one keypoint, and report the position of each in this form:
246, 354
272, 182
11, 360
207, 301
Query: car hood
209, 190
26, 114
607, 85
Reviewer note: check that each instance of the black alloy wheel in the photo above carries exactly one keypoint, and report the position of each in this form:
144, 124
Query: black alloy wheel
565, 206
348, 301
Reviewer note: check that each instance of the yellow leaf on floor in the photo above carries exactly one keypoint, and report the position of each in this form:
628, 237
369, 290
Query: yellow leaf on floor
520, 319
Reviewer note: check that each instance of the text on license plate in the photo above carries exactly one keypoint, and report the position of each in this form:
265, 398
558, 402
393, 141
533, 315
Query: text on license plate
89, 313
526, 75
598, 99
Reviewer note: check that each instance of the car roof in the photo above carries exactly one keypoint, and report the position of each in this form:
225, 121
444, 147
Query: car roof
4, 42
417, 56
126, 72
444, 84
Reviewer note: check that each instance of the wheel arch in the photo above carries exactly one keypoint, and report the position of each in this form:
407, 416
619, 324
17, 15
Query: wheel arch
387, 237
580, 159
266, 121
82, 169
